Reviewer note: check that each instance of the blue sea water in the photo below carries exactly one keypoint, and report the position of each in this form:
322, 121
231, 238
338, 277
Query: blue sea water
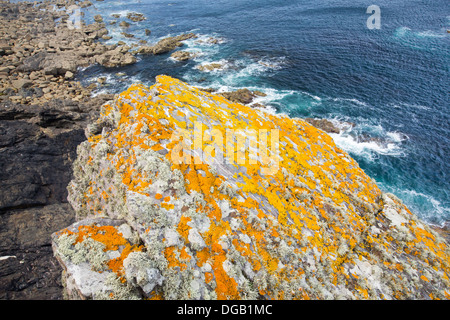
319, 59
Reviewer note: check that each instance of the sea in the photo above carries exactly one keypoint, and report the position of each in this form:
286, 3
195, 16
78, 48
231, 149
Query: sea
382, 76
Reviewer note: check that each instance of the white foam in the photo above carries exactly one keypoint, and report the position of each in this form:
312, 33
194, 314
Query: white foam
409, 105
397, 136
367, 149
353, 101
405, 31
432, 34
439, 211
388, 143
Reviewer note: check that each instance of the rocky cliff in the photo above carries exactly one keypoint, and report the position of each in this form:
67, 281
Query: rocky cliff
182, 194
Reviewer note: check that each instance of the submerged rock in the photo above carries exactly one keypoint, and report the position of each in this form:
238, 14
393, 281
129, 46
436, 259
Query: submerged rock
195, 211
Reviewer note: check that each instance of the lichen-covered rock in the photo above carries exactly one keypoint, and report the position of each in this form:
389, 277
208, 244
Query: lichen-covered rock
92, 252
217, 213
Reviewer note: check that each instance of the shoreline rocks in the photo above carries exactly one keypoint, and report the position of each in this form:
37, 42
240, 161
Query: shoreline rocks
36, 55
37, 49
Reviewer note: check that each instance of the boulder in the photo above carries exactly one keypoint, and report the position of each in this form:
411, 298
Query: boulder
329, 126
170, 43
98, 18
181, 55
136, 17
21, 83
243, 96
124, 24
59, 64
165, 210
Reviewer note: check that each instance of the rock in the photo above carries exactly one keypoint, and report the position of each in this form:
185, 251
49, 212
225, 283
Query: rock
37, 145
98, 18
148, 32
124, 24
128, 59
115, 15
145, 50
443, 230
91, 264
68, 75
127, 35
170, 43
323, 124
136, 17
243, 96
101, 80
21, 83
257, 105
181, 55
59, 64
210, 40
328, 126
296, 219
259, 93
33, 63
85, 4
210, 90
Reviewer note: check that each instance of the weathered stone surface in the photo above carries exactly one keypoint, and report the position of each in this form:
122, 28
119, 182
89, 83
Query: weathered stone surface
181, 55
21, 83
168, 44
243, 96
301, 220
37, 146
98, 18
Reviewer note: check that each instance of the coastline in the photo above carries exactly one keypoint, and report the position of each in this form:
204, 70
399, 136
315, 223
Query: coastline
45, 112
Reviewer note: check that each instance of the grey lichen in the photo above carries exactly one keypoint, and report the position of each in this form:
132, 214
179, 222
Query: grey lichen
141, 272
115, 289
89, 250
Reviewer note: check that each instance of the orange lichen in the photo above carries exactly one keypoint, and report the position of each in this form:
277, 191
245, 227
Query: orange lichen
116, 265
108, 235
